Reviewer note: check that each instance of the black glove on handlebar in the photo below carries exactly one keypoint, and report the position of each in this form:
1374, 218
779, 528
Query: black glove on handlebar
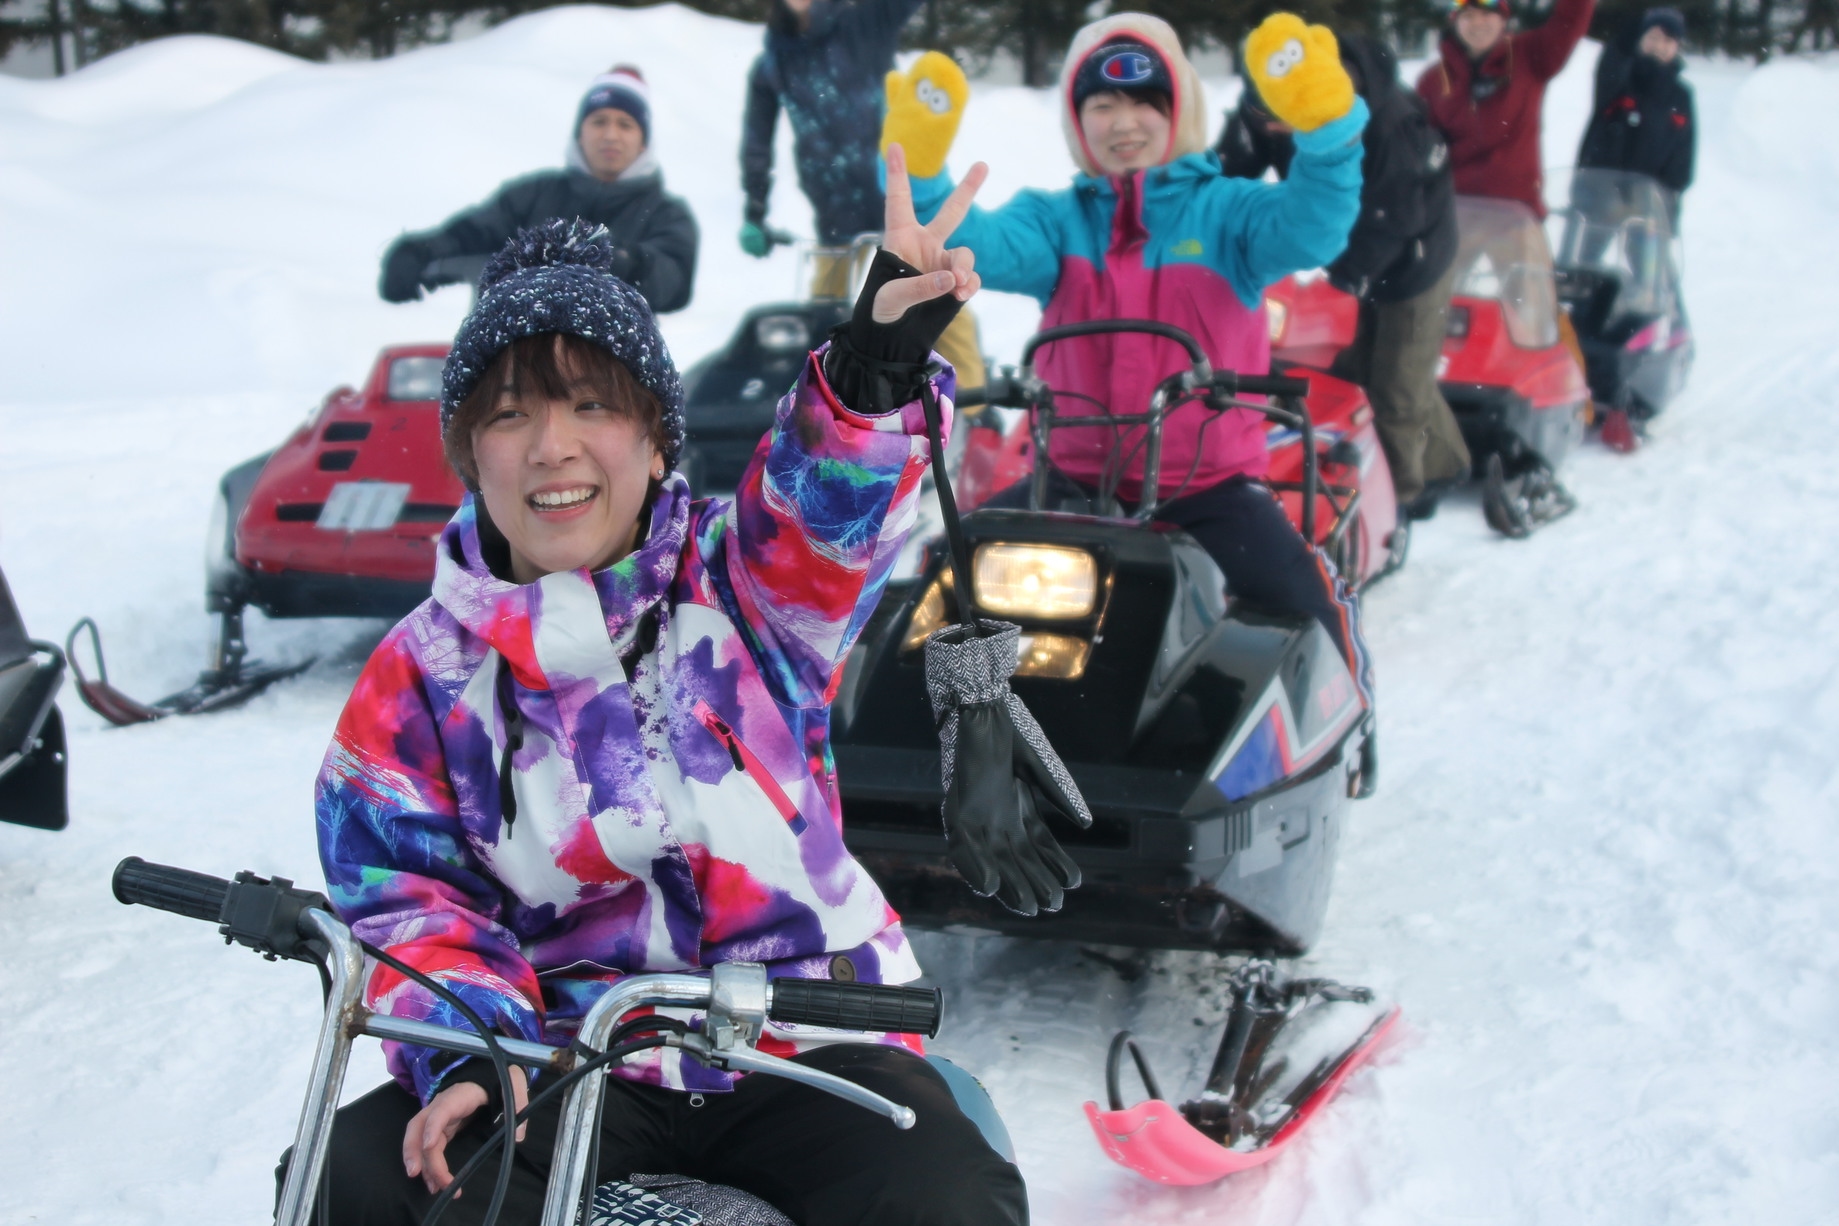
402, 265
1000, 774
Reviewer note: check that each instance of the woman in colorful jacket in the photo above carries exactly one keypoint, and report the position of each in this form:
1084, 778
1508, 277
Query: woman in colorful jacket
601, 748
1151, 229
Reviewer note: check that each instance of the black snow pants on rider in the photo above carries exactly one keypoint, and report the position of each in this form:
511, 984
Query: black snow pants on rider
819, 1160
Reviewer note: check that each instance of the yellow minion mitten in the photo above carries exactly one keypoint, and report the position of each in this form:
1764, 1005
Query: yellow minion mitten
925, 104
1297, 69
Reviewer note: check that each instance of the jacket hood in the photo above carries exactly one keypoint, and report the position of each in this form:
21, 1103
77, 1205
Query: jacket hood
1187, 132
644, 166
1371, 64
500, 611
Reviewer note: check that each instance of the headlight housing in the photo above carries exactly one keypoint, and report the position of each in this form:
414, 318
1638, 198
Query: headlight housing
1044, 582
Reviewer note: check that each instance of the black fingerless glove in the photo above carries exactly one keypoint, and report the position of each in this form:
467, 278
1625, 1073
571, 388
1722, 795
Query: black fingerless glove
874, 368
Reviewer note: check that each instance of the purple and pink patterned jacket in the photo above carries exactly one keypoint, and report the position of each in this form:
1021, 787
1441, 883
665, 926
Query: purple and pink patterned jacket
676, 797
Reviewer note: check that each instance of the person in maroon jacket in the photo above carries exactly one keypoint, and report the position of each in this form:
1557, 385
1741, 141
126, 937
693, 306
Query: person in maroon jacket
1485, 91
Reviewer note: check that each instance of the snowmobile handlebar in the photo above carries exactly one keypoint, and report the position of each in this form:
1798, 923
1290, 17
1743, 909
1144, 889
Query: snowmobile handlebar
738, 998
198, 896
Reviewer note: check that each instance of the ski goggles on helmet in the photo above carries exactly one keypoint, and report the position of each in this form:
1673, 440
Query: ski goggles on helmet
1486, 6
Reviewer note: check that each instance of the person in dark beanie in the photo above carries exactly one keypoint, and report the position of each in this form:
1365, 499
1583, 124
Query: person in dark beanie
1399, 262
1486, 89
599, 749
1643, 120
611, 178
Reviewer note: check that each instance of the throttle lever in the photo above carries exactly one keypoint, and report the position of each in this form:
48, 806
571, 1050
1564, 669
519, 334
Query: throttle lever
266, 916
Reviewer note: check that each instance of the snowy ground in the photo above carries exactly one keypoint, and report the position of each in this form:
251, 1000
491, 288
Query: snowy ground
1600, 875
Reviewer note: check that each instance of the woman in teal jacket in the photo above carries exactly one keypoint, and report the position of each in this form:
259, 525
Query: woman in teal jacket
1151, 229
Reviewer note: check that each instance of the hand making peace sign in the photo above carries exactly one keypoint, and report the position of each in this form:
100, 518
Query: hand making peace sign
923, 247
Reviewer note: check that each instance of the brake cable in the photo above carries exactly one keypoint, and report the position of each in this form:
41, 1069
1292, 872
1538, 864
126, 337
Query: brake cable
501, 1064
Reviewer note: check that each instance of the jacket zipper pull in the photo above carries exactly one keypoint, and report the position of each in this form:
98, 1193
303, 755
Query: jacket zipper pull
513, 741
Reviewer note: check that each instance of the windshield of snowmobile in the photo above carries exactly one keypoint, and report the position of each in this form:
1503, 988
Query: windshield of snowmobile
415, 378
1503, 257
1617, 223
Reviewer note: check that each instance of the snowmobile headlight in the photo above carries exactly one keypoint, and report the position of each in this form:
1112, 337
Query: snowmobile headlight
1058, 657
1051, 582
781, 333
1457, 327
928, 617
1277, 316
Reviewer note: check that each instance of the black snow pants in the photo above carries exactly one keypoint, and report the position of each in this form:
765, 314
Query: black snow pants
1241, 524
817, 1159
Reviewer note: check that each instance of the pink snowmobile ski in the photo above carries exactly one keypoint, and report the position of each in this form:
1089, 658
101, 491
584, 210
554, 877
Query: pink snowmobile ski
1288, 1048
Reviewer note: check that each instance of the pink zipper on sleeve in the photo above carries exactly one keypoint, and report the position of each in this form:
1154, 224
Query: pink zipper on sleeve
748, 764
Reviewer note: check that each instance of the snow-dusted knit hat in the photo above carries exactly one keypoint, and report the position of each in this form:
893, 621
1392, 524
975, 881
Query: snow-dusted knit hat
554, 278
623, 88
1665, 18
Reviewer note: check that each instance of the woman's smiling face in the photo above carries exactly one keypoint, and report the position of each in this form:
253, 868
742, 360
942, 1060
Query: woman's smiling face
564, 477
1125, 133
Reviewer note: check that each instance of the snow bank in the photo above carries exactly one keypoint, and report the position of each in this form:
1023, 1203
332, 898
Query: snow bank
1602, 874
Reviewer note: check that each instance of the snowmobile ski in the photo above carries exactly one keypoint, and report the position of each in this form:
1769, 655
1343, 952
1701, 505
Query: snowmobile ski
230, 681
1288, 1047
1533, 497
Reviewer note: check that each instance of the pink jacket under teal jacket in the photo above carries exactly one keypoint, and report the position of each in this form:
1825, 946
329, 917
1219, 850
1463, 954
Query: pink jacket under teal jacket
676, 797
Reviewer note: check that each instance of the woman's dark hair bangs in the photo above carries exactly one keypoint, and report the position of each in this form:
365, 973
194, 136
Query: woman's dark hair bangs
538, 366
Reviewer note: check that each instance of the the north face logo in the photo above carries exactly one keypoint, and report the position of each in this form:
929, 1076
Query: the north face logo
1188, 247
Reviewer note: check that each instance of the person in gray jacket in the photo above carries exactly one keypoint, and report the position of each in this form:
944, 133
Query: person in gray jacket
611, 178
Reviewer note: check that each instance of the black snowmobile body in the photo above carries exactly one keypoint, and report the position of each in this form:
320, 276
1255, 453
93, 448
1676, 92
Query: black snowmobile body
1618, 273
1177, 704
32, 760
729, 396
1217, 745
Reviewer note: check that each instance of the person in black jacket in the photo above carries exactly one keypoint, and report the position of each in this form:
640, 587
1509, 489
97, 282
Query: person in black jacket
1399, 262
612, 178
824, 62
1643, 118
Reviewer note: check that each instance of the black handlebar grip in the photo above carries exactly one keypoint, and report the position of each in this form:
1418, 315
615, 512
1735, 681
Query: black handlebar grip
179, 890
857, 1006
1271, 385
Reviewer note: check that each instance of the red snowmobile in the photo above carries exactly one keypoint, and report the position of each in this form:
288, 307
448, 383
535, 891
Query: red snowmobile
1516, 389
341, 520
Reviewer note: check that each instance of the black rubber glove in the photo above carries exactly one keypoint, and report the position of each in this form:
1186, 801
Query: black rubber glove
875, 368
1001, 776
402, 266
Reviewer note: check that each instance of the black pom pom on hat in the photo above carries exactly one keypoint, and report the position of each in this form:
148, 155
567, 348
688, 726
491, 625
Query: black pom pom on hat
554, 278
